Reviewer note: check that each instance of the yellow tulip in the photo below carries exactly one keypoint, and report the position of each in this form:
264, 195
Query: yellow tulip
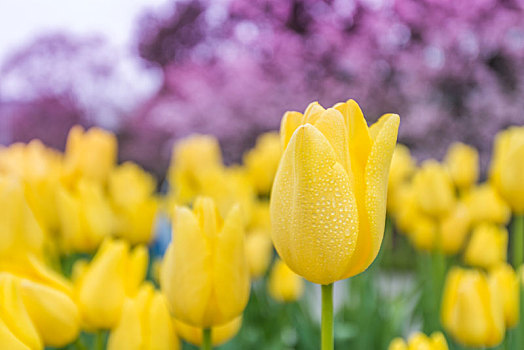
8, 340
419, 341
402, 167
454, 229
487, 247
471, 311
506, 280
219, 334
424, 233
407, 208
14, 313
462, 162
145, 324
259, 250
54, 314
434, 189
205, 274
284, 285
114, 273
328, 202
486, 205
20, 232
507, 167
90, 154
262, 161
260, 218
86, 217
195, 162
132, 192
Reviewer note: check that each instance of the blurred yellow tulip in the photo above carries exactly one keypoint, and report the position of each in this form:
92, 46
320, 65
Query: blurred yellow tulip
89, 154
506, 280
434, 189
8, 340
471, 311
20, 232
86, 217
219, 334
114, 273
420, 341
507, 167
486, 205
205, 274
462, 162
132, 192
145, 324
424, 233
454, 229
487, 247
402, 167
262, 161
54, 314
284, 285
328, 202
259, 251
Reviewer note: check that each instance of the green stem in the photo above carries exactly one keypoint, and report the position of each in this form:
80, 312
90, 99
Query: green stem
518, 240
327, 317
100, 340
206, 339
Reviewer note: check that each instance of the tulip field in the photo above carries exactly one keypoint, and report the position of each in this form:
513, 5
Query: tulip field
327, 235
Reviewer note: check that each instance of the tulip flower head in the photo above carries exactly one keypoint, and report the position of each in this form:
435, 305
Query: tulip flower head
205, 274
262, 161
434, 188
420, 341
259, 251
328, 201
485, 205
219, 334
505, 279
462, 162
284, 285
487, 247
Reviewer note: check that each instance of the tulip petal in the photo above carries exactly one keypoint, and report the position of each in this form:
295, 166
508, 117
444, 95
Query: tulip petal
8, 340
290, 122
372, 216
230, 270
128, 333
313, 209
186, 272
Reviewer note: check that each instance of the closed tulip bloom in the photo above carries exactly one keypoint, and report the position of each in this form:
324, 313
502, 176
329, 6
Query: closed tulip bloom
328, 201
434, 189
487, 247
8, 340
219, 334
262, 161
486, 205
424, 233
402, 167
205, 274
506, 280
259, 251
114, 273
14, 313
145, 324
420, 341
454, 229
398, 344
20, 232
284, 285
507, 167
90, 154
462, 162
54, 313
471, 311
132, 192
86, 217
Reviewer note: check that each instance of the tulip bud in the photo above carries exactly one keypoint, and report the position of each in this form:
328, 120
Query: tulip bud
471, 311
259, 250
90, 154
419, 341
434, 189
53, 313
205, 274
487, 247
398, 344
219, 334
113, 274
486, 205
402, 167
507, 167
262, 161
145, 324
462, 162
423, 234
132, 193
328, 201
284, 285
506, 280
454, 229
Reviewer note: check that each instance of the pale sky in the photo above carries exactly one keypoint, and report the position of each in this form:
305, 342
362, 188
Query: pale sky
23, 20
